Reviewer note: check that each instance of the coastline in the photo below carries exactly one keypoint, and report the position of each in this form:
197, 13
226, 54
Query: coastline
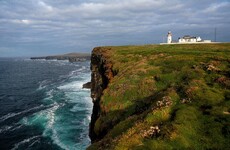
72, 57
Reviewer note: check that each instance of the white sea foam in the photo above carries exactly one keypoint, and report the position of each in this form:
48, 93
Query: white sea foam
51, 116
77, 73
25, 121
50, 129
62, 62
50, 93
76, 85
73, 72
36, 60
72, 86
49, 96
89, 117
11, 128
57, 140
56, 132
88, 101
46, 115
11, 115
57, 125
36, 141
77, 108
43, 84
5, 128
16, 146
16, 127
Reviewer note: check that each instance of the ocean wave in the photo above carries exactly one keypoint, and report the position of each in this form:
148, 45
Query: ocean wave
62, 119
72, 86
41, 60
43, 84
50, 130
5, 128
81, 105
89, 117
77, 72
41, 116
73, 72
49, 95
10, 128
16, 127
11, 115
51, 116
79, 109
75, 85
57, 141
34, 138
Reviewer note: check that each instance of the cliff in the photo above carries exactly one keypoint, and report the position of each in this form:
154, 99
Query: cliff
102, 73
161, 97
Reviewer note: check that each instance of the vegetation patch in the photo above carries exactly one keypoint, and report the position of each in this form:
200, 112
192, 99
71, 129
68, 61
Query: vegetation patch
166, 97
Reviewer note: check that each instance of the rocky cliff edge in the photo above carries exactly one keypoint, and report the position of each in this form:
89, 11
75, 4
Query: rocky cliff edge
161, 97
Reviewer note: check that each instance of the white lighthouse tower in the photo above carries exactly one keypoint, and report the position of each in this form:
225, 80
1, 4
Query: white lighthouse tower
169, 37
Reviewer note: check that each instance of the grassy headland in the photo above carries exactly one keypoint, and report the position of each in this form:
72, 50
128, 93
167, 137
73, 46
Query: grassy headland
166, 97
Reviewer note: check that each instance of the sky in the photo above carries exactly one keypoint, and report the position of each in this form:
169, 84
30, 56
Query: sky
49, 27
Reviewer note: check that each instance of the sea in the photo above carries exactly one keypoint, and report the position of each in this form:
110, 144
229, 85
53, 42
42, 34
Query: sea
43, 105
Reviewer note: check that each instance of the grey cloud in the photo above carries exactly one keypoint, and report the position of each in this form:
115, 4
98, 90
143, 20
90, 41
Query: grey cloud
83, 24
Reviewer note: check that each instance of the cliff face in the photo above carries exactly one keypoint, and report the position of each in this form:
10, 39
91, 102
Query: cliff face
160, 97
102, 73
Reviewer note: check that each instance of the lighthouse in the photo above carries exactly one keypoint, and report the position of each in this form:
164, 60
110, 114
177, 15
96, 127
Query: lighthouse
169, 37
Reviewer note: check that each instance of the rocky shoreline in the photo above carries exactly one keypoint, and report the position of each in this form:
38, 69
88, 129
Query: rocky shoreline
72, 57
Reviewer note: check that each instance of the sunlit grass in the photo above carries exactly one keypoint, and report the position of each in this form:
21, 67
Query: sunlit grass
195, 77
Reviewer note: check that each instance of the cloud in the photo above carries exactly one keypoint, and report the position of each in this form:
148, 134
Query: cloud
23, 21
45, 6
80, 25
215, 7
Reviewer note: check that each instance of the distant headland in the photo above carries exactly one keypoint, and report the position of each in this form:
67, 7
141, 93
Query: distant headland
72, 57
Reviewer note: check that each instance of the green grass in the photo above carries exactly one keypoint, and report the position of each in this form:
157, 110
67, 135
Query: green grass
195, 77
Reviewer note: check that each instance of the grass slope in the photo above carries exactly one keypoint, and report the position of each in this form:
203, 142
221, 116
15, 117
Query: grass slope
167, 97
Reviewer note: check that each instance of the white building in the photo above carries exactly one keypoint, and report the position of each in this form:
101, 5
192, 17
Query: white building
169, 37
185, 39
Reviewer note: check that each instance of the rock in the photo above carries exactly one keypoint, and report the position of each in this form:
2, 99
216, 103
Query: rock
165, 102
152, 132
226, 113
211, 67
185, 100
87, 85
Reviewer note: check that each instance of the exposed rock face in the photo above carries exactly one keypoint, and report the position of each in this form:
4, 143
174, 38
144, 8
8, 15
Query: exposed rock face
145, 97
102, 73
87, 85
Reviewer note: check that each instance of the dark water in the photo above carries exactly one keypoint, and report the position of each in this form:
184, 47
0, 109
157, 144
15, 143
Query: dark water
43, 105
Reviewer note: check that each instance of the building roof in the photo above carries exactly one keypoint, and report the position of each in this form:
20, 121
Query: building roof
189, 37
